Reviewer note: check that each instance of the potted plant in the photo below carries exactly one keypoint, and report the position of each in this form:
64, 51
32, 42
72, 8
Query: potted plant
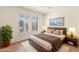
6, 33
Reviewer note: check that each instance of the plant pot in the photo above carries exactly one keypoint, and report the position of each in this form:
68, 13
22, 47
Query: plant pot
6, 43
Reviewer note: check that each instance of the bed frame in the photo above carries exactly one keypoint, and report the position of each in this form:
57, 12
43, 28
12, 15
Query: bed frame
41, 49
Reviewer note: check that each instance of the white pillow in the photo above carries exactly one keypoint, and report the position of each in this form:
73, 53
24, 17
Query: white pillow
58, 32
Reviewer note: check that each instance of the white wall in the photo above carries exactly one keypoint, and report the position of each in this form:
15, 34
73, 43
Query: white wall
10, 15
0, 16
71, 15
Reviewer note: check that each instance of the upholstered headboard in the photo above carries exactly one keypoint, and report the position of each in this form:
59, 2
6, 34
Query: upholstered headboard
59, 28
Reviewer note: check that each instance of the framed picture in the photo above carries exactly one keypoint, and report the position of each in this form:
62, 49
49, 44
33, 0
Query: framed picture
56, 21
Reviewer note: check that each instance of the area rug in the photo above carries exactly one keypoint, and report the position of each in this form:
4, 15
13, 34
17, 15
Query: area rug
64, 48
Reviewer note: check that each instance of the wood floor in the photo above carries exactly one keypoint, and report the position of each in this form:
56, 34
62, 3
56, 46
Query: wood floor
24, 46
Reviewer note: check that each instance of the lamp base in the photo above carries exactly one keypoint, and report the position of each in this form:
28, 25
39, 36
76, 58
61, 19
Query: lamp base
71, 34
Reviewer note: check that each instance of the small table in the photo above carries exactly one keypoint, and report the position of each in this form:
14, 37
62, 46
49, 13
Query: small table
71, 39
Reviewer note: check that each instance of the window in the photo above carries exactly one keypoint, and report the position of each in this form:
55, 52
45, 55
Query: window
23, 23
34, 23
28, 24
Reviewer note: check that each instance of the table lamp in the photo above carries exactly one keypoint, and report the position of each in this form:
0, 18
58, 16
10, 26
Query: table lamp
44, 29
72, 31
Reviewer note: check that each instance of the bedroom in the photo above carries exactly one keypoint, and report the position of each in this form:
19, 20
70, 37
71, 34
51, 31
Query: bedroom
13, 16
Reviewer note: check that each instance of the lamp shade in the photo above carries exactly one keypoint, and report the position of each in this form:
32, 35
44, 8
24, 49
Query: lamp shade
45, 28
72, 29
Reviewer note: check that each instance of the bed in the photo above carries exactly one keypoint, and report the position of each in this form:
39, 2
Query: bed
46, 42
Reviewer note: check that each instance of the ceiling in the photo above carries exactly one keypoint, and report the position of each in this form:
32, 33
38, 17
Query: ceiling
40, 9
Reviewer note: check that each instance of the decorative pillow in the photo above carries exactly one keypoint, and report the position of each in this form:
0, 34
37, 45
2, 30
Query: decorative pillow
49, 31
52, 30
61, 32
58, 32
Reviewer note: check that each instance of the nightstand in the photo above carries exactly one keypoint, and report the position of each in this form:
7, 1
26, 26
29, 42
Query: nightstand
71, 40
